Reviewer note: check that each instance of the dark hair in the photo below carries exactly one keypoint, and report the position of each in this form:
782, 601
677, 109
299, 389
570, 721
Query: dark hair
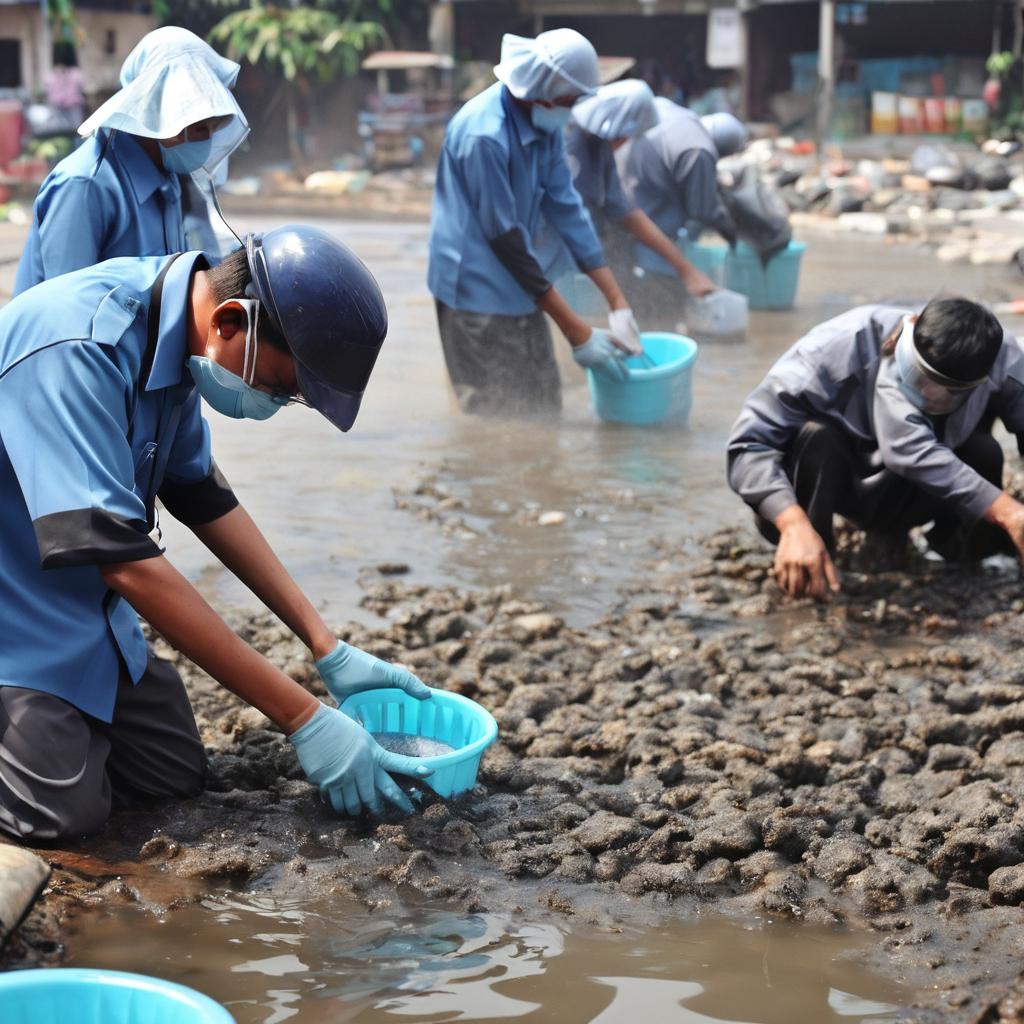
959, 338
228, 280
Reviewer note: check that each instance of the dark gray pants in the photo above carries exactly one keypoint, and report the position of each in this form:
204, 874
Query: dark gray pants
500, 365
61, 770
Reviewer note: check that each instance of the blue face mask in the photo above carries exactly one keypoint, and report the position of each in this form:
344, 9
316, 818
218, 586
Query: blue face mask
549, 119
186, 157
228, 393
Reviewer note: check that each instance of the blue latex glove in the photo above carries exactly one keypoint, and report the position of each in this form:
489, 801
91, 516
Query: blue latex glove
350, 767
600, 353
347, 670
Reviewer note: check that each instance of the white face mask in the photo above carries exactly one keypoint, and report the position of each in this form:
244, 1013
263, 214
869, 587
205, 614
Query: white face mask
550, 119
923, 386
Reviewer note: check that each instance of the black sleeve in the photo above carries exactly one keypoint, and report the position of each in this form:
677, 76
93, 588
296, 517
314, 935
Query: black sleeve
512, 250
91, 536
199, 503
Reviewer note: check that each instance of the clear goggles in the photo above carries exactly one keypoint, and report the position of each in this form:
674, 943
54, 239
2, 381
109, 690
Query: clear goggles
932, 392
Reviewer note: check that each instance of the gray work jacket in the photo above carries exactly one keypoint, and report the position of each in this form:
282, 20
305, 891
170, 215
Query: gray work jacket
836, 373
670, 172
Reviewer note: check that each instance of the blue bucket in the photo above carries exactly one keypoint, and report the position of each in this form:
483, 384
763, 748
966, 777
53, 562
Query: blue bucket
78, 995
449, 718
767, 287
652, 394
708, 259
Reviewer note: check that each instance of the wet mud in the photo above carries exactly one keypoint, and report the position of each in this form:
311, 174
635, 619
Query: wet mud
708, 743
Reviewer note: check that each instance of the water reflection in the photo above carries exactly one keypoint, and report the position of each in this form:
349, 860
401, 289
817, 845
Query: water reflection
273, 960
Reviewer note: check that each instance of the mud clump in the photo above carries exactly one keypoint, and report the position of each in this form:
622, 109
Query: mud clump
708, 742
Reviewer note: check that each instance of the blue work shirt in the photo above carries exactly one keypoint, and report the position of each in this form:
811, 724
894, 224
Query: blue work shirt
497, 177
594, 174
98, 414
105, 199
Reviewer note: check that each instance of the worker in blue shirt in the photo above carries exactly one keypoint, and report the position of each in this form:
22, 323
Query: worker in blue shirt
502, 169
602, 124
163, 134
101, 376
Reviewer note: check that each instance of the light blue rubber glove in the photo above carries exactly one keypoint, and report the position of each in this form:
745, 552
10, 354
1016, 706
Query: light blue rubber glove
350, 767
600, 353
347, 670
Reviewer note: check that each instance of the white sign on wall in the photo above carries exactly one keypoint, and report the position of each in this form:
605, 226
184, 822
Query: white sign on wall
725, 38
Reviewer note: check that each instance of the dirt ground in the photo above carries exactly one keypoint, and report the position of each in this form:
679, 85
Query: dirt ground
707, 744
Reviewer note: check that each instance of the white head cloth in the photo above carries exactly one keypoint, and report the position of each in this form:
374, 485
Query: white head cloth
555, 64
621, 110
171, 80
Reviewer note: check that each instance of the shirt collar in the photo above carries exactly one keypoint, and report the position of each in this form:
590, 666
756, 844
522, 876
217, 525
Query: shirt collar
144, 176
520, 118
172, 339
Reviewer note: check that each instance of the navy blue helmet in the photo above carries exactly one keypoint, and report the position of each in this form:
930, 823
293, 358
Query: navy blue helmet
327, 307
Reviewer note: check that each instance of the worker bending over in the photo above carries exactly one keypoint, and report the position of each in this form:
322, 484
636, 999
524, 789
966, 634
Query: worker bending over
101, 376
502, 169
883, 417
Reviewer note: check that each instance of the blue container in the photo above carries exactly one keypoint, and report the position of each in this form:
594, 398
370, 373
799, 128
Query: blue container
662, 393
449, 718
767, 287
583, 296
709, 259
74, 995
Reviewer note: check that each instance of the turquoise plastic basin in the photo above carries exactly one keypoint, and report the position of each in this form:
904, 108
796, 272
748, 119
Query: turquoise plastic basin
771, 286
76, 995
662, 393
449, 718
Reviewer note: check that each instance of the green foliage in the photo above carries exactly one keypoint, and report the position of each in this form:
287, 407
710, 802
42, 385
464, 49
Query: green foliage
53, 149
999, 64
301, 43
63, 23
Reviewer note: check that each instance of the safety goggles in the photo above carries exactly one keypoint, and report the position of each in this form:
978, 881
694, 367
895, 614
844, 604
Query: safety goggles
929, 390
252, 313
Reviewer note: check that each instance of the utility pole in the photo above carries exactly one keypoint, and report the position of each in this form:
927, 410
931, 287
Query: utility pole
826, 71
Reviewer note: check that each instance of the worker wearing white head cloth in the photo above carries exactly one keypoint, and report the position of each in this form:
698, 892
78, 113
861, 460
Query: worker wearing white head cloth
601, 124
119, 193
502, 170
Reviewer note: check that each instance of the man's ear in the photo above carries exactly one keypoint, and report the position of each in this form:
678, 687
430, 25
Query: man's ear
228, 320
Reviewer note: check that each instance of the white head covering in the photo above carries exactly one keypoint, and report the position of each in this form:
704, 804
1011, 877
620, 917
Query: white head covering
171, 80
621, 110
555, 64
728, 133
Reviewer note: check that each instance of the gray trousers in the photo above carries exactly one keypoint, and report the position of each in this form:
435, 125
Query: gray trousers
500, 365
61, 770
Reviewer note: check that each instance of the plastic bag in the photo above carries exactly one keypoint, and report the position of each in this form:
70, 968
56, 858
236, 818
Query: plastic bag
722, 313
759, 212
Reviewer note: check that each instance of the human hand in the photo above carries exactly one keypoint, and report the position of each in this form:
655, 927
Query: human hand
625, 331
350, 768
803, 565
1008, 514
696, 283
347, 670
600, 353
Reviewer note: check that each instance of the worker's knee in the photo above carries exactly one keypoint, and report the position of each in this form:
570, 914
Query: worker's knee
984, 454
818, 436
48, 814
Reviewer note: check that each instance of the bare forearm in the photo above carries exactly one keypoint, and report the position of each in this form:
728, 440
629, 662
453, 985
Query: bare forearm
175, 609
572, 326
646, 232
237, 541
605, 280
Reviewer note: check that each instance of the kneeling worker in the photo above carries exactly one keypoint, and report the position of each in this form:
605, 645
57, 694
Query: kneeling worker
101, 374
502, 169
882, 416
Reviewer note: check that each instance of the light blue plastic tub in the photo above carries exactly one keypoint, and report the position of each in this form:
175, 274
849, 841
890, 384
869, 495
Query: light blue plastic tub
709, 259
662, 393
767, 287
582, 294
449, 718
75, 995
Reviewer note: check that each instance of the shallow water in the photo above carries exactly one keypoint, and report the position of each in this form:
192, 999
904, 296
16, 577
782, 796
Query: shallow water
327, 500
273, 960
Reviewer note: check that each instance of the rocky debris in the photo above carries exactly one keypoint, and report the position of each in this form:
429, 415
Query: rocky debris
709, 741
22, 877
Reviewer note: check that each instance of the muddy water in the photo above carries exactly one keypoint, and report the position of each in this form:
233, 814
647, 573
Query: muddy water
328, 501
270, 960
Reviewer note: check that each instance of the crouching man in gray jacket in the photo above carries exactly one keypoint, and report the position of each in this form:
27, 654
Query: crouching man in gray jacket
883, 417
